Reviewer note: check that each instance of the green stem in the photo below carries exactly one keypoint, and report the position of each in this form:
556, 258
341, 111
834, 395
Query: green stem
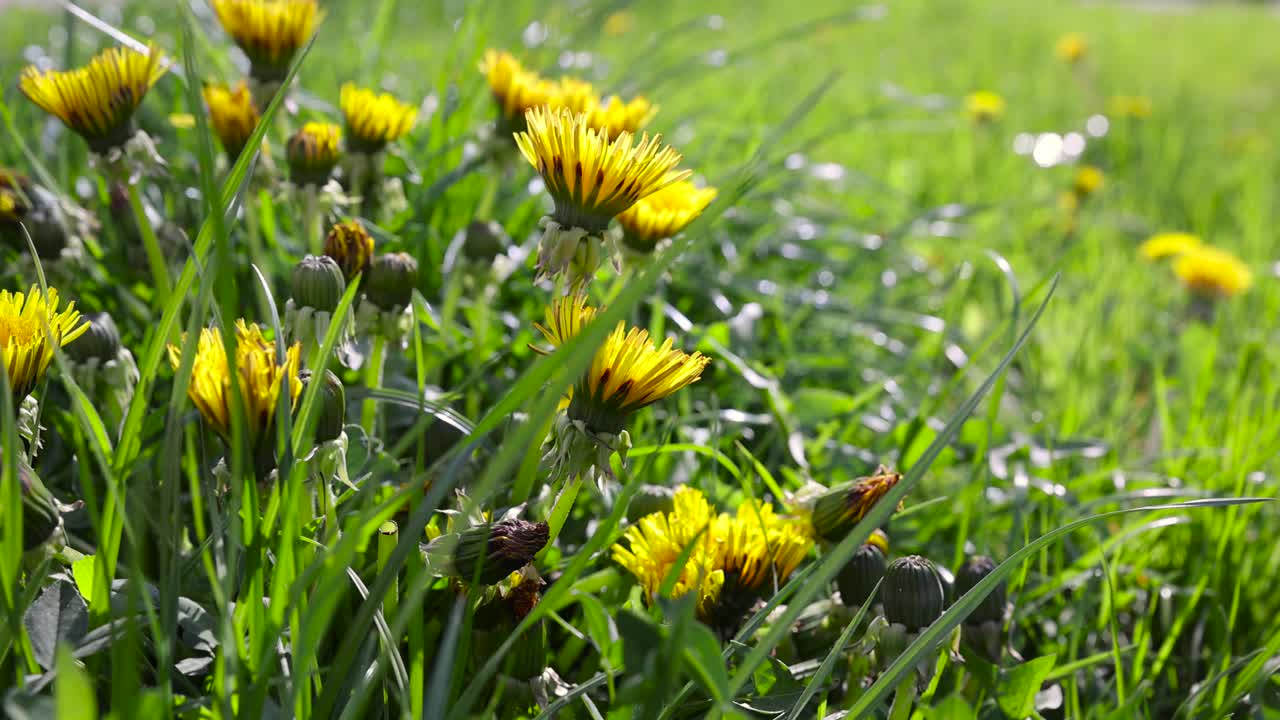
311, 222
903, 698
155, 258
373, 381
254, 232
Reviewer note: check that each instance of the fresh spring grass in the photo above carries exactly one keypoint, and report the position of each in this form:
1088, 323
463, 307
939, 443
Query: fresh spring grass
878, 282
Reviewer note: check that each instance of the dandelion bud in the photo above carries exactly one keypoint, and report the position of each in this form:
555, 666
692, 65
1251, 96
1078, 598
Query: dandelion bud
41, 514
36, 208
100, 341
971, 573
14, 205
485, 240
495, 550
333, 405
912, 594
836, 511
857, 579
351, 246
318, 283
313, 152
649, 500
392, 278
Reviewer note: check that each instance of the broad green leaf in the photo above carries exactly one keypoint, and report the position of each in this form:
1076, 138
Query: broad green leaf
1019, 685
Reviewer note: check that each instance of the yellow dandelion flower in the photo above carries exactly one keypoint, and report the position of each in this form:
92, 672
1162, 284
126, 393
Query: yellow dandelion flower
374, 119
313, 152
590, 178
984, 106
515, 89
757, 546
232, 114
98, 100
1129, 106
836, 511
1168, 244
1088, 180
650, 548
1212, 272
260, 375
619, 23
612, 115
31, 326
663, 214
1071, 48
270, 32
14, 200
351, 246
628, 372
576, 95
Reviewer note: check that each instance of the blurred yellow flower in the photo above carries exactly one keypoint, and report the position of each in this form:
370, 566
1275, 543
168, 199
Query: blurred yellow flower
373, 119
98, 100
313, 152
31, 326
1168, 244
613, 115
984, 106
620, 23
515, 89
270, 32
663, 214
1212, 272
1129, 106
260, 373
14, 200
1071, 47
232, 115
1089, 180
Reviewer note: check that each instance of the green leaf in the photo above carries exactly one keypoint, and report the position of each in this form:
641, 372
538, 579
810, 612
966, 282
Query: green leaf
953, 707
1019, 685
72, 692
702, 655
811, 406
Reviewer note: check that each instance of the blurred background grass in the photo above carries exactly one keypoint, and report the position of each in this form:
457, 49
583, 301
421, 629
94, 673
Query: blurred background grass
868, 282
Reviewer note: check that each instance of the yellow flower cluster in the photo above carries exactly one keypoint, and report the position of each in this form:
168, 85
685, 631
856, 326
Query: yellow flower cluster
1205, 271
744, 553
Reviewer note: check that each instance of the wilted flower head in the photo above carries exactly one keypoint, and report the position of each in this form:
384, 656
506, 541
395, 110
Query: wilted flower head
984, 106
515, 89
233, 116
351, 246
663, 214
98, 100
1212, 272
628, 372
1168, 244
491, 551
374, 119
1129, 106
270, 32
1071, 47
836, 511
313, 152
260, 372
31, 326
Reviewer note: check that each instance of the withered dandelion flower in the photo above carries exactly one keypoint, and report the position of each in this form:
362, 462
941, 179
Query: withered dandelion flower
351, 246
31, 326
835, 512
98, 100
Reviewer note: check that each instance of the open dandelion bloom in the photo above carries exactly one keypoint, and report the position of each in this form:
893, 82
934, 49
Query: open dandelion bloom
1211, 272
591, 179
1088, 180
98, 100
270, 32
30, 328
1129, 106
313, 152
515, 89
232, 114
1168, 244
835, 512
984, 106
628, 372
260, 374
374, 119
757, 547
650, 548
1071, 48
663, 215
612, 115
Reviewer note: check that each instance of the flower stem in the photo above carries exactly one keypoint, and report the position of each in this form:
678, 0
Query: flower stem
903, 698
311, 221
155, 258
373, 380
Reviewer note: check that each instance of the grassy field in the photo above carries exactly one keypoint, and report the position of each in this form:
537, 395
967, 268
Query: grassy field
881, 280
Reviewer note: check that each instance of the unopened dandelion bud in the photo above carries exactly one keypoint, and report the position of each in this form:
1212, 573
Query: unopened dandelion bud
650, 499
100, 342
391, 281
839, 509
485, 240
858, 578
912, 593
332, 415
974, 569
488, 553
318, 283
